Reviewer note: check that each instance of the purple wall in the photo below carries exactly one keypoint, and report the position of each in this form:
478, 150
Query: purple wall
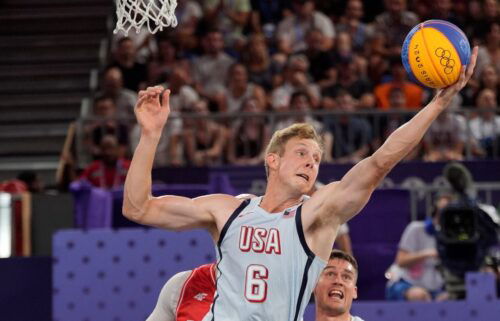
117, 275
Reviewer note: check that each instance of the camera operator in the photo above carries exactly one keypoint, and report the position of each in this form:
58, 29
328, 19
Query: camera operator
414, 276
467, 233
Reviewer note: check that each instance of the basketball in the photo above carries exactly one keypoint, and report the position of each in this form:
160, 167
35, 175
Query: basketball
434, 52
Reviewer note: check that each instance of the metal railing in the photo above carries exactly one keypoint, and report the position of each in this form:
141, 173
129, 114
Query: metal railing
375, 118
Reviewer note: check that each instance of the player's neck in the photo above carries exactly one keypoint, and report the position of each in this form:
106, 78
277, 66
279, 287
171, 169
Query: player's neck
278, 199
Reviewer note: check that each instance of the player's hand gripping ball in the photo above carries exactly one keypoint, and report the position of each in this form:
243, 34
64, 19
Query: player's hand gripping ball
434, 52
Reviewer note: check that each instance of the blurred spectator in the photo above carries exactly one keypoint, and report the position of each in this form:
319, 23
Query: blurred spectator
292, 30
414, 95
238, 89
104, 123
422, 8
491, 9
210, 70
473, 19
267, 14
394, 23
204, 139
300, 102
33, 182
444, 141
294, 79
490, 80
13, 186
442, 9
485, 128
182, 96
350, 80
230, 17
248, 139
416, 278
256, 58
160, 68
125, 58
351, 23
377, 65
343, 51
143, 42
110, 171
489, 51
352, 134
322, 63
188, 14
112, 86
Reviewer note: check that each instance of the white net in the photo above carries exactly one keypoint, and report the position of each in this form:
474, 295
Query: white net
155, 14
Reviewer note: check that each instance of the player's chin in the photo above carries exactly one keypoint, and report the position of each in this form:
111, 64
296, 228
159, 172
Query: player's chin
304, 187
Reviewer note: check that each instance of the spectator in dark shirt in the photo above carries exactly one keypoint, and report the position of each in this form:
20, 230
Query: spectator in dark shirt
267, 14
352, 134
104, 123
249, 137
134, 73
395, 23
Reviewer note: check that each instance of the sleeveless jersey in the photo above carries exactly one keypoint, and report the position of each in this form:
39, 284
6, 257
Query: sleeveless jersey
197, 294
265, 269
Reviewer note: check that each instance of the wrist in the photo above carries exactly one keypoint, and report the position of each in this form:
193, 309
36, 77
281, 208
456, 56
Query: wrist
150, 136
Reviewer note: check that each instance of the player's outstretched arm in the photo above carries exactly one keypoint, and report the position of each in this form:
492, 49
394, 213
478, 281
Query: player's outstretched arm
348, 196
169, 212
151, 116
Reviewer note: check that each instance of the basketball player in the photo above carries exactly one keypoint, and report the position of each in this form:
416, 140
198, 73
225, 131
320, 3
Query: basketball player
336, 288
188, 295
271, 249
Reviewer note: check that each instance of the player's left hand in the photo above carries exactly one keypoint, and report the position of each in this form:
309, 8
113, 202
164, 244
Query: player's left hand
445, 95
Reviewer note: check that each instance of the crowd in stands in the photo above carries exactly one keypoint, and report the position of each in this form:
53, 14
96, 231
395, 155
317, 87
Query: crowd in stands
333, 63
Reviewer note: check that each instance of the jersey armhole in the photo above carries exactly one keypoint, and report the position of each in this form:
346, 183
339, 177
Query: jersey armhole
300, 232
231, 219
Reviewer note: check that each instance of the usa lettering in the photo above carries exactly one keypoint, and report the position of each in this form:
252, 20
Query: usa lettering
260, 240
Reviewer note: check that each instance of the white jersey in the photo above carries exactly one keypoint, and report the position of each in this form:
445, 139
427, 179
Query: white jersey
265, 269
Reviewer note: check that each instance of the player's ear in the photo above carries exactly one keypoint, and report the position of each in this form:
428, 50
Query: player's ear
272, 160
355, 295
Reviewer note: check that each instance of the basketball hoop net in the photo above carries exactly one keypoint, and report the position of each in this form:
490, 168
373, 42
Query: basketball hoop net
156, 14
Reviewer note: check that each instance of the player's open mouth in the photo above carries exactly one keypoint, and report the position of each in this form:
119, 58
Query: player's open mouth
336, 294
304, 176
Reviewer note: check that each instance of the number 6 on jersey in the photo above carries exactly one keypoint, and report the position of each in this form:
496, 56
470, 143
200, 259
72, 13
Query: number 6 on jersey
255, 284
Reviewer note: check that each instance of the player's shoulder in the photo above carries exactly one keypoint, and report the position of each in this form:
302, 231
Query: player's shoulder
224, 203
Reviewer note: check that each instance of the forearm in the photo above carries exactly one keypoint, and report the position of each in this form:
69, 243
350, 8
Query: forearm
137, 190
407, 259
405, 138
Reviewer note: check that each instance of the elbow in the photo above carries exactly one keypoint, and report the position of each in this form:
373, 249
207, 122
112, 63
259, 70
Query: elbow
131, 213
134, 213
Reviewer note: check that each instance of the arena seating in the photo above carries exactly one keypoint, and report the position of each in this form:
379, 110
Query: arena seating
47, 51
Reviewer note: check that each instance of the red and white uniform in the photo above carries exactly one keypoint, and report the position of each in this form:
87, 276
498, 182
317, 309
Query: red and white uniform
187, 296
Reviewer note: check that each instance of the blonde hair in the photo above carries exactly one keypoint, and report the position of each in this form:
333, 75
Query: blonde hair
281, 137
